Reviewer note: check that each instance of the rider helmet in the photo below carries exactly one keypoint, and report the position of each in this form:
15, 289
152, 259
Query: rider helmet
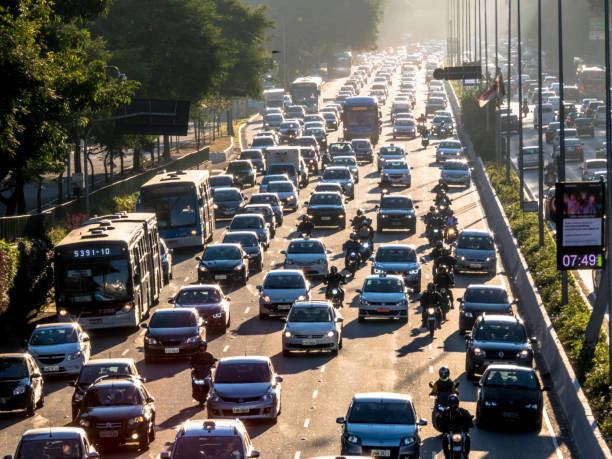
453, 401
353, 236
432, 208
444, 373
439, 244
359, 212
333, 270
431, 287
202, 346
445, 252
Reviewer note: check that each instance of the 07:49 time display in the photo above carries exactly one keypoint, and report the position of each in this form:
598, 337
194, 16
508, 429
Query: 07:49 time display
590, 260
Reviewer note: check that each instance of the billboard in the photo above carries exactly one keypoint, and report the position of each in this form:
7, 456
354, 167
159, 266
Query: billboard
580, 225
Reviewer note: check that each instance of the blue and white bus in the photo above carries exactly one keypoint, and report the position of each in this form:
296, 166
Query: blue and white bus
182, 201
361, 118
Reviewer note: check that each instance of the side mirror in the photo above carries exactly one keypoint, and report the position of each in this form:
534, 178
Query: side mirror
93, 455
359, 290
284, 252
198, 258
339, 319
254, 453
165, 455
283, 320
460, 299
171, 300
151, 399
259, 287
338, 421
145, 326
227, 298
279, 378
422, 422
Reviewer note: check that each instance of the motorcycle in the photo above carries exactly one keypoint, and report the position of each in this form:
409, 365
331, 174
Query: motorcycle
352, 262
305, 229
384, 192
450, 234
336, 297
435, 234
365, 250
456, 444
425, 142
446, 302
365, 231
432, 321
439, 407
202, 386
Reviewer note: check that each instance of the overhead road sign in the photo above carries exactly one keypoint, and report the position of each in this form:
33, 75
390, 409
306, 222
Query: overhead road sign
465, 72
153, 117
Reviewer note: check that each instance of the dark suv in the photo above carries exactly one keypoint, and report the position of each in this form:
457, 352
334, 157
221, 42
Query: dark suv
21, 383
395, 211
243, 171
327, 209
118, 411
497, 339
584, 127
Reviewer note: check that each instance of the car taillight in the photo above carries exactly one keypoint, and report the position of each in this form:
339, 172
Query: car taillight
578, 148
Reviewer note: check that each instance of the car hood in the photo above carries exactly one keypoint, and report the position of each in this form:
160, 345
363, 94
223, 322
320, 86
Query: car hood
9, 384
205, 307
230, 204
103, 413
380, 434
384, 211
172, 332
383, 297
509, 396
284, 295
475, 254
310, 328
220, 264
391, 267
501, 346
53, 349
245, 390
305, 257
486, 307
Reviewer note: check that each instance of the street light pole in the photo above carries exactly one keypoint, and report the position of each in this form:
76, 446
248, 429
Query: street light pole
509, 88
486, 44
564, 298
520, 98
540, 142
498, 155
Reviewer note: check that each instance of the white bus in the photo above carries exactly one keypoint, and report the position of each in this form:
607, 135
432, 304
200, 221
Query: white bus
274, 98
307, 91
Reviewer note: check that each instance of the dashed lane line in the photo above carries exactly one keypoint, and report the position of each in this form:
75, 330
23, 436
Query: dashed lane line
226, 348
125, 352
315, 393
306, 423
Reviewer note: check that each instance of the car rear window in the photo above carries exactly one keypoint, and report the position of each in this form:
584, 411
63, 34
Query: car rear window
475, 242
200, 296
508, 332
379, 412
173, 319
485, 295
511, 378
242, 373
383, 285
284, 281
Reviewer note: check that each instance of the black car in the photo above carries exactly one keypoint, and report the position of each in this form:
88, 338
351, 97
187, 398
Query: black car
227, 202
509, 122
395, 211
257, 158
250, 244
97, 369
327, 209
209, 301
551, 130
243, 171
584, 127
272, 199
118, 411
265, 210
223, 263
21, 383
363, 150
497, 339
482, 298
510, 393
173, 333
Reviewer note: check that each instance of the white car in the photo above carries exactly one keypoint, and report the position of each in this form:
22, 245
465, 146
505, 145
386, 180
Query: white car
312, 325
448, 149
395, 172
60, 348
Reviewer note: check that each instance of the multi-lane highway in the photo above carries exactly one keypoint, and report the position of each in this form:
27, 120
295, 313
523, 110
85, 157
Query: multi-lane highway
317, 388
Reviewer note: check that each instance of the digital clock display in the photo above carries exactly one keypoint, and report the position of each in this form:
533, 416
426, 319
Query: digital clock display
582, 261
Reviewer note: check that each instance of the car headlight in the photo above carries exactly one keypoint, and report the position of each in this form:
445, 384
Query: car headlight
413, 272
218, 315
523, 354
457, 438
488, 259
383, 216
468, 314
202, 269
462, 258
265, 299
288, 334
289, 198
331, 334
19, 390
353, 439
74, 355
62, 312
238, 268
193, 339
268, 396
408, 441
478, 351
150, 340
132, 422
215, 206
488, 403
532, 406
301, 298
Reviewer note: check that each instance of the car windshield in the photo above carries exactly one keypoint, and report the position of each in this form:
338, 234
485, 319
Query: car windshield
272, 178
221, 181
13, 368
475, 242
315, 132
208, 446
50, 448
202, 296
242, 373
454, 145
396, 203
221, 253
328, 198
264, 199
393, 255
173, 319
280, 186
511, 379
224, 194
343, 161
455, 166
341, 147
112, 396
247, 223
298, 314
395, 165
486, 295
305, 247
510, 332
90, 373
391, 151
396, 412
245, 240
335, 174
383, 285
239, 166
305, 142
404, 122
51, 336
284, 281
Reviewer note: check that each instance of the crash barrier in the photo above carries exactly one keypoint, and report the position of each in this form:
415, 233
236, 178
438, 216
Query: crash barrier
36, 225
557, 367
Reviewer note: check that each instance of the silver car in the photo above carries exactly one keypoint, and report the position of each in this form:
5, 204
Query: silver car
399, 259
342, 176
308, 255
455, 172
348, 161
448, 149
245, 387
383, 296
404, 127
280, 289
531, 157
395, 172
475, 251
593, 168
389, 152
252, 222
312, 325
60, 348
69, 442
286, 192
265, 181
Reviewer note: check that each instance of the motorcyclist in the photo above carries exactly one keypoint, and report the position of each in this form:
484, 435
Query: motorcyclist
359, 219
446, 259
333, 280
440, 186
436, 252
455, 419
422, 119
306, 226
201, 361
444, 384
430, 215
352, 245
445, 280
430, 297
451, 220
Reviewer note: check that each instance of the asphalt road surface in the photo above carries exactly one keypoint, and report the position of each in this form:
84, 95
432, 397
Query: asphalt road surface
317, 388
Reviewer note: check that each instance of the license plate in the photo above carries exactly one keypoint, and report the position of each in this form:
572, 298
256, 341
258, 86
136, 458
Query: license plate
309, 342
284, 307
325, 218
382, 309
396, 222
220, 276
475, 265
109, 433
510, 414
51, 368
171, 350
240, 409
381, 452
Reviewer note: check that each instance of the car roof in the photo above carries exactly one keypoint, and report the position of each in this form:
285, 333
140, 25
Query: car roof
344, 168
476, 232
57, 325
280, 272
109, 361
186, 288
381, 396
393, 195
306, 239
396, 246
243, 216
218, 427
384, 276
509, 366
251, 234
245, 359
116, 381
500, 318
312, 304
496, 287
225, 244
53, 432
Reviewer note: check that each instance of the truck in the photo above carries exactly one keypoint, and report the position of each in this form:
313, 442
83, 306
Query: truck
274, 98
284, 160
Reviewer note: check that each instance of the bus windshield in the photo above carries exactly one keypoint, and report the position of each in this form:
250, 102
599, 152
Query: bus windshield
175, 205
367, 117
105, 280
303, 93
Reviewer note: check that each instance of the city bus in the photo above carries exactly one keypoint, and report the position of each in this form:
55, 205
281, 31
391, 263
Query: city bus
591, 81
182, 201
274, 98
361, 118
104, 274
307, 91
340, 65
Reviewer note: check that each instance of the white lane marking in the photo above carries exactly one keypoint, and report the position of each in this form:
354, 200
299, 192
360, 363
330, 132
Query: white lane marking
552, 434
323, 369
142, 332
186, 279
306, 423
430, 368
125, 352
430, 346
248, 308
426, 276
315, 393
226, 348
297, 455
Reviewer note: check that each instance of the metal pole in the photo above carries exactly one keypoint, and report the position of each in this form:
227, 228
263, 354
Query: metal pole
497, 130
564, 298
479, 34
476, 37
85, 173
608, 188
509, 88
486, 43
540, 142
520, 98
469, 28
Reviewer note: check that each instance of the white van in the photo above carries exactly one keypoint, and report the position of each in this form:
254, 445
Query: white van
548, 114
